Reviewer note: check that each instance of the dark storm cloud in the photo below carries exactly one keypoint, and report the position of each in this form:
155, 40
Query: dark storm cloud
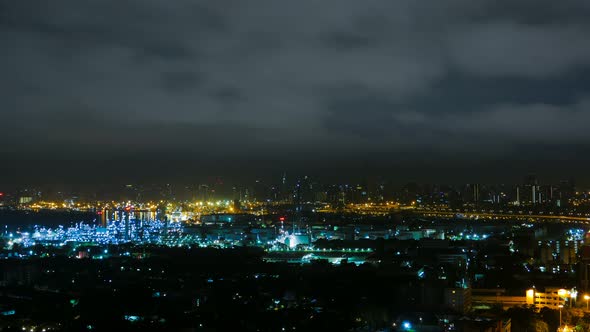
509, 49
180, 81
460, 93
163, 51
344, 41
271, 78
376, 120
228, 94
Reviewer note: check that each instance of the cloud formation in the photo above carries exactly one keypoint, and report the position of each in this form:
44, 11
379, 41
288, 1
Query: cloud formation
270, 78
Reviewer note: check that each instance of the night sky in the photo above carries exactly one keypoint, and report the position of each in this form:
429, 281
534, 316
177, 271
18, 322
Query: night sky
146, 90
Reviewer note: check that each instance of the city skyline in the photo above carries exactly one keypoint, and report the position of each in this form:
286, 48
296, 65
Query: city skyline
309, 165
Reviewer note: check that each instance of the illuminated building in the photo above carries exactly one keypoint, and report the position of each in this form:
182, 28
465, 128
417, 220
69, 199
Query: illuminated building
487, 298
127, 230
553, 297
25, 199
458, 299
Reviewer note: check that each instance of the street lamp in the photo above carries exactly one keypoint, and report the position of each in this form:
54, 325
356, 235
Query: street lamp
574, 297
566, 329
562, 295
586, 297
560, 306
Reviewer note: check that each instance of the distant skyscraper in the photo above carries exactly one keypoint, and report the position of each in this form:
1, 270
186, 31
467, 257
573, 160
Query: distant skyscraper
203, 193
529, 195
531, 180
260, 191
472, 193
567, 190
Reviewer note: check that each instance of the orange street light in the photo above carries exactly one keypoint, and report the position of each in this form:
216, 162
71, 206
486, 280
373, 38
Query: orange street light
560, 306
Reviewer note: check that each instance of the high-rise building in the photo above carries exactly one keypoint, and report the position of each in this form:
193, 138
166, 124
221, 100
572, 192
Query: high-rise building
458, 299
567, 190
409, 193
530, 189
203, 193
472, 194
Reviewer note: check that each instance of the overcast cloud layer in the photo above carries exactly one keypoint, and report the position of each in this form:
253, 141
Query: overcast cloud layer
86, 84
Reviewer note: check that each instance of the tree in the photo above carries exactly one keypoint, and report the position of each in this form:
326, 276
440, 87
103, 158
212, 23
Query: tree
522, 317
540, 326
551, 317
